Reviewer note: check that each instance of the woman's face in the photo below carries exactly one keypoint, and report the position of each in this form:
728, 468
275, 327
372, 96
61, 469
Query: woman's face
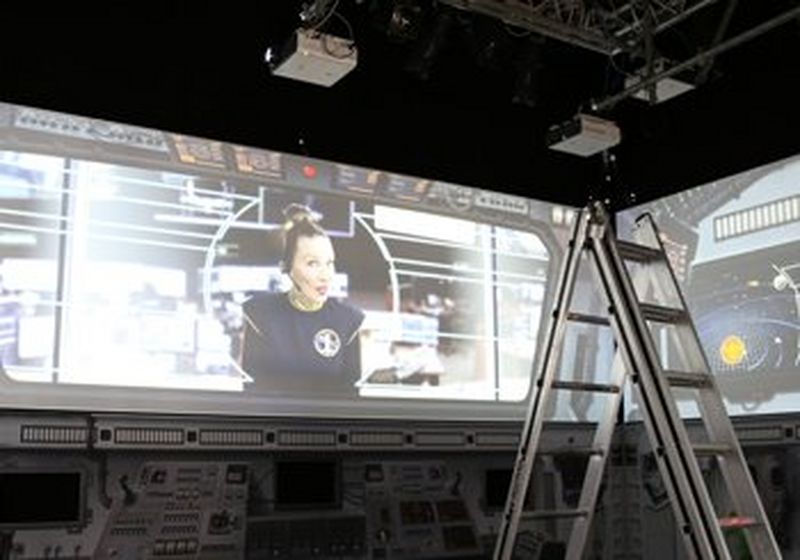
312, 268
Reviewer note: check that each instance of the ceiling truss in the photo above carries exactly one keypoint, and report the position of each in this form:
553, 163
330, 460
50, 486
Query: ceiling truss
608, 27
615, 26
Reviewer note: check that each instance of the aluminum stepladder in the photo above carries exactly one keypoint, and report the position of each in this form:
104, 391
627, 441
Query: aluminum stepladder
636, 280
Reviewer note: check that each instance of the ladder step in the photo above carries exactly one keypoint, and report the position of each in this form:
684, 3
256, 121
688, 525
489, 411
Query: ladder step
653, 312
585, 318
555, 514
582, 386
639, 253
688, 379
738, 522
571, 450
711, 448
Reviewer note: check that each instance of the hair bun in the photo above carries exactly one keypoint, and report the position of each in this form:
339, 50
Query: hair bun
301, 221
295, 213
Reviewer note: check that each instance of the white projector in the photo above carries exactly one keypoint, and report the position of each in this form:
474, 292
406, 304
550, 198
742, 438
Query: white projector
314, 57
666, 88
583, 135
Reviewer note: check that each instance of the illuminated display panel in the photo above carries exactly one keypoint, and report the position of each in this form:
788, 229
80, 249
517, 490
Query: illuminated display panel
139, 269
735, 247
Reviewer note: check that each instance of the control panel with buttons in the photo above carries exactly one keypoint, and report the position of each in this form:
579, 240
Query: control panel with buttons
179, 511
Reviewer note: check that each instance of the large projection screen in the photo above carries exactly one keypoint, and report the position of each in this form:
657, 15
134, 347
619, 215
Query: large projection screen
128, 257
735, 247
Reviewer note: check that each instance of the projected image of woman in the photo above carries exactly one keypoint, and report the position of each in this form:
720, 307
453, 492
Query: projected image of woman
302, 339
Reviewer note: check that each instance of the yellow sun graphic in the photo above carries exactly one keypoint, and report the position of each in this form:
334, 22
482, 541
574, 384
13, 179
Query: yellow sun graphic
732, 350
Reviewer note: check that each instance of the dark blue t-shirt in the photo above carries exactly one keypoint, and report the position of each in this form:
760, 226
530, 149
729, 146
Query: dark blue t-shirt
289, 349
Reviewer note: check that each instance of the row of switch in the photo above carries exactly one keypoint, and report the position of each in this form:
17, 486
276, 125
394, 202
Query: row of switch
175, 547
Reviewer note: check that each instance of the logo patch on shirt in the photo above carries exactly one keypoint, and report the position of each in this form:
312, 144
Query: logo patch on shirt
327, 343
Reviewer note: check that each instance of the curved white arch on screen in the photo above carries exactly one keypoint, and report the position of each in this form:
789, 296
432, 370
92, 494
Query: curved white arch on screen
384, 250
209, 261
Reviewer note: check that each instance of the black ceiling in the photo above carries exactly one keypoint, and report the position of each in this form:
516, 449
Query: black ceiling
198, 68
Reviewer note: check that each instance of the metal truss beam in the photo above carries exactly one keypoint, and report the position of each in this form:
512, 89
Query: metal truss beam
700, 58
606, 27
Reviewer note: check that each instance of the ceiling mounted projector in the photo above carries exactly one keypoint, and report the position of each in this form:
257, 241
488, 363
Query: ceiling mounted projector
583, 135
664, 88
314, 57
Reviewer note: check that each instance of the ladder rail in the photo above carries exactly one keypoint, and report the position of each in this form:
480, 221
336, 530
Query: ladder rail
590, 490
732, 464
647, 232
689, 496
509, 524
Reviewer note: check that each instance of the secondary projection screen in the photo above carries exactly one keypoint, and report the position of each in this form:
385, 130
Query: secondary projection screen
735, 247
129, 256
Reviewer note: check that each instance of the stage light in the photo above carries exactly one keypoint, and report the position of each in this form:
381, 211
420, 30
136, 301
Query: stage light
526, 84
405, 21
424, 54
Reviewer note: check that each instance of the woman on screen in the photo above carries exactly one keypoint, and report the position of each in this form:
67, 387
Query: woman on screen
302, 340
